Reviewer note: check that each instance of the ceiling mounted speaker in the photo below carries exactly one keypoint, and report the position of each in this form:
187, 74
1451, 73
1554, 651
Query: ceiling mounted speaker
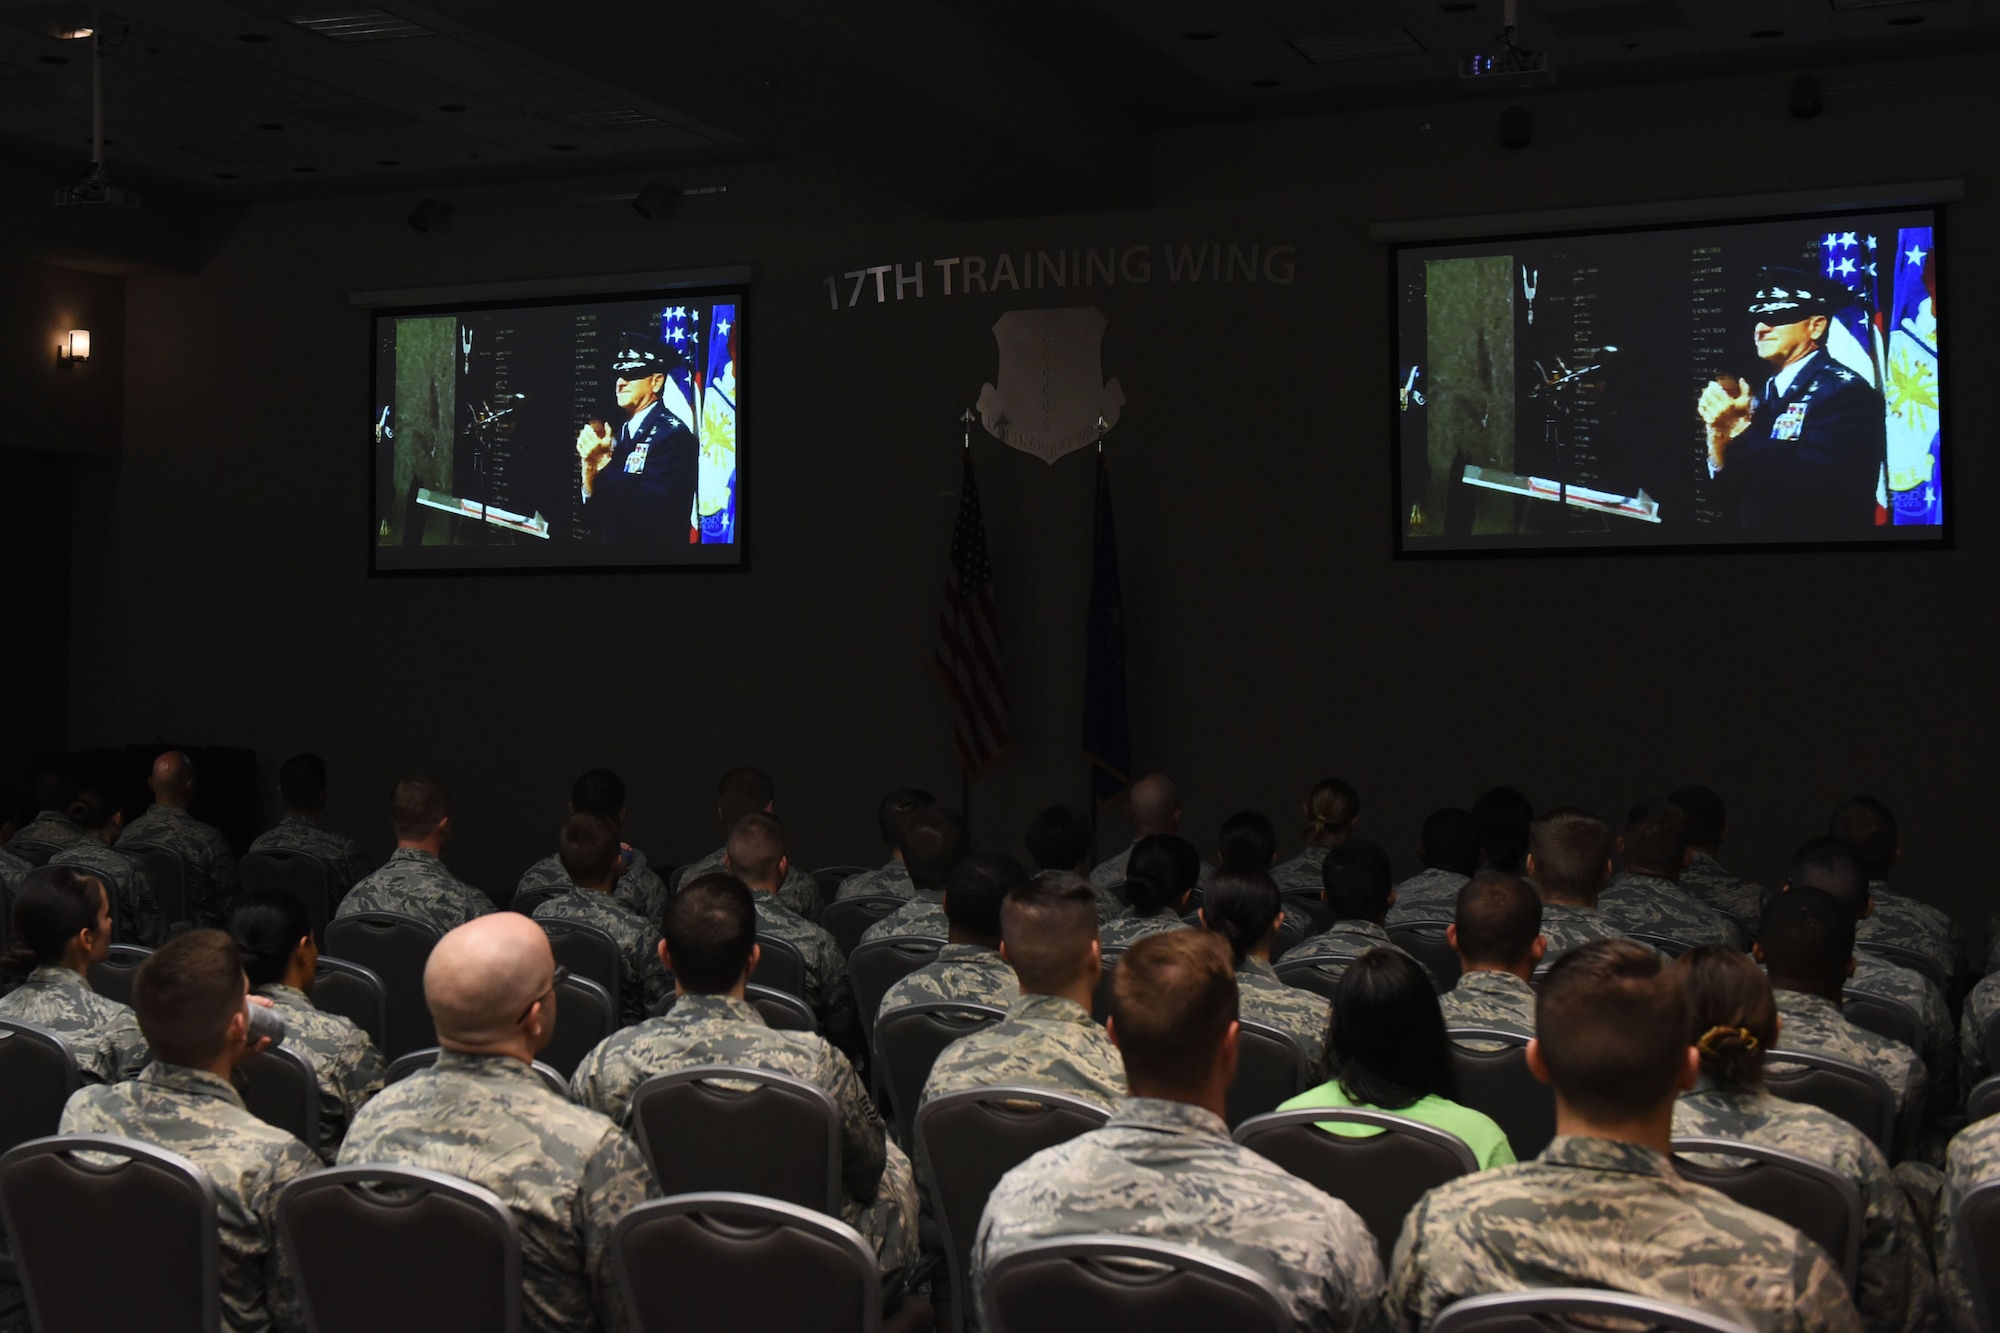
1516, 128
429, 215
655, 200
1808, 97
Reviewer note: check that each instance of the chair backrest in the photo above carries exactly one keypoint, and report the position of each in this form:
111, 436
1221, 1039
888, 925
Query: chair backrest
830, 878
1666, 944
280, 1088
1546, 1310
708, 1261
1904, 956
750, 1131
299, 875
586, 1014
1859, 1096
354, 992
848, 920
167, 873
395, 948
1304, 973
1091, 1284
966, 1141
65, 1212
880, 964
38, 1070
1311, 911
1381, 1177
908, 1041
33, 850
1290, 934
1425, 942
1807, 1195
401, 1250
780, 966
781, 1009
587, 951
526, 903
424, 1057
112, 978
1271, 1067
1977, 1227
1499, 1084
1984, 1099
1884, 1017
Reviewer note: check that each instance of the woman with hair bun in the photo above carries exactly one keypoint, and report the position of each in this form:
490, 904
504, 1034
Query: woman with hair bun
1331, 810
62, 925
1244, 908
1159, 875
1734, 1023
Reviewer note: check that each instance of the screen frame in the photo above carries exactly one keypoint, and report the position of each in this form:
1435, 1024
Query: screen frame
745, 375
1944, 540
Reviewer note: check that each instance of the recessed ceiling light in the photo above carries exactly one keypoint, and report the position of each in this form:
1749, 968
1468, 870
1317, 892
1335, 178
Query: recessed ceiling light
227, 176
1336, 47
563, 147
305, 171
1201, 34
1767, 33
255, 38
53, 60
1263, 83
452, 106
388, 161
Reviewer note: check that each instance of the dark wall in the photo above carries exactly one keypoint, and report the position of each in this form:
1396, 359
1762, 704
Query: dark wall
1271, 638
34, 550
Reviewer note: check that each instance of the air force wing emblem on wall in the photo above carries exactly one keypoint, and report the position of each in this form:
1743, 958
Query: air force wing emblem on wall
1052, 389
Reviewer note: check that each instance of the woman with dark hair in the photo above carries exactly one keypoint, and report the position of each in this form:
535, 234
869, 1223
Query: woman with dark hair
1733, 1021
1388, 1052
134, 906
1159, 875
1244, 908
62, 925
1331, 810
275, 937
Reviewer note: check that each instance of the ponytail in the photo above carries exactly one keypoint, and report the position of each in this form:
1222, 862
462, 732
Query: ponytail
1240, 906
53, 906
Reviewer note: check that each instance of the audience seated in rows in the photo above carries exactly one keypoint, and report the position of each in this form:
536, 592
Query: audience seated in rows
893, 879
62, 926
135, 906
1568, 861
302, 789
1247, 841
750, 791
1504, 817
1357, 887
1161, 873
414, 880
1154, 807
1497, 933
55, 786
1449, 849
601, 793
934, 842
1331, 810
1706, 828
970, 967
1869, 826
1974, 1160
209, 865
1246, 909
756, 854
1060, 839
1645, 897
589, 856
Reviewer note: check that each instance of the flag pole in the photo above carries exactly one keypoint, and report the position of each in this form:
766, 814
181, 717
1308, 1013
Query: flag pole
965, 419
1089, 774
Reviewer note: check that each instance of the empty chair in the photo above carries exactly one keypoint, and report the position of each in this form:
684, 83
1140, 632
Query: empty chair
354, 992
153, 1210
1547, 1309
880, 964
1884, 1017
167, 873
1425, 942
1807, 1195
1499, 1084
848, 920
1858, 1096
1984, 1099
587, 951
299, 875
279, 1088
424, 1057
1271, 1067
1090, 1284
966, 1141
400, 1250
1305, 974
781, 1009
1380, 1176
909, 1040
395, 948
1914, 959
112, 978
750, 1131
1978, 1223
780, 966
586, 1014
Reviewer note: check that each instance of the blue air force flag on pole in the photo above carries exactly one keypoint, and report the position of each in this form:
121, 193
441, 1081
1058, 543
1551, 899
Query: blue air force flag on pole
1911, 382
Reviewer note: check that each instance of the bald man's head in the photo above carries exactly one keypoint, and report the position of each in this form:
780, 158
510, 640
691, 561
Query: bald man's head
173, 779
1156, 805
483, 978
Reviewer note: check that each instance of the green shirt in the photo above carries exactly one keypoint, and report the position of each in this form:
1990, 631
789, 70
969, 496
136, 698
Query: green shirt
1474, 1128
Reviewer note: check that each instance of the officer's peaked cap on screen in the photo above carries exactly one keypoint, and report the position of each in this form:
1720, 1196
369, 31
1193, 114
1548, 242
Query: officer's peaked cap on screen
1787, 295
637, 354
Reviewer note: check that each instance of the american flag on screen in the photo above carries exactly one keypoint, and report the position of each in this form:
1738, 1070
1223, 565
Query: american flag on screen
968, 653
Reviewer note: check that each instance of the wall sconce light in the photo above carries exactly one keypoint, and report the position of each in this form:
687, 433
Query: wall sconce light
75, 349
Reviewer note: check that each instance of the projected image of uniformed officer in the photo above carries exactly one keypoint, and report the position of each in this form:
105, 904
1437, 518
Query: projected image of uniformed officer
639, 479
1799, 455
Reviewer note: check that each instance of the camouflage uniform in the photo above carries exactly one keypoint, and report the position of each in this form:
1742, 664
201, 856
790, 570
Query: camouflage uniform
1262, 998
49, 826
1304, 873
639, 887
133, 902
969, 972
644, 979
416, 883
346, 864
879, 1186
1489, 999
345, 1064
1429, 895
1565, 925
1815, 1025
828, 993
1974, 1159
565, 1173
1878, 976
103, 1034
202, 1118
1045, 1041
1113, 871
212, 887
1614, 1216
891, 881
1650, 905
922, 916
1911, 924
800, 891
1893, 1286
12, 871
1704, 880
1127, 930
1168, 1171
1340, 944
1980, 1007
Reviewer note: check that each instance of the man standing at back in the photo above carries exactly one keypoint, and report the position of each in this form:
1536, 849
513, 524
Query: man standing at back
589, 854
1164, 1166
1602, 1206
934, 842
302, 787
414, 881
482, 1114
1154, 804
1646, 898
601, 792
969, 968
212, 887
893, 879
756, 854
750, 791
1497, 931
1569, 858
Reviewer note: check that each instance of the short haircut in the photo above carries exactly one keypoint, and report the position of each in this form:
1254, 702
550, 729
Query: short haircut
93, 806
587, 847
1611, 1024
302, 782
1868, 826
1357, 881
1247, 841
933, 844
1503, 816
710, 926
1173, 997
1332, 806
1451, 840
598, 792
1386, 1044
743, 791
1048, 925
1152, 802
1240, 906
896, 807
179, 781
1655, 835
1807, 935
52, 906
1498, 917
1571, 848
1705, 815
186, 992
973, 894
1059, 839
755, 846
1160, 871
267, 928
1833, 867
419, 805
1732, 1014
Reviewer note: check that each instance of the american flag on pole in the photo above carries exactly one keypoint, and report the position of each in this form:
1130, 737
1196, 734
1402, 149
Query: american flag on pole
968, 653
